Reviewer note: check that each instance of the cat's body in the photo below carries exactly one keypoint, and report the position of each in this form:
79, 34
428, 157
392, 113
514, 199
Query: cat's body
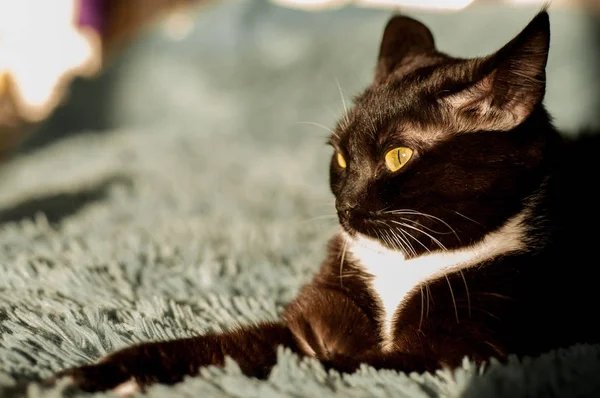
462, 212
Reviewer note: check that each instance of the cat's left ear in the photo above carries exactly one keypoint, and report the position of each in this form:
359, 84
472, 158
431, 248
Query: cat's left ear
509, 84
404, 38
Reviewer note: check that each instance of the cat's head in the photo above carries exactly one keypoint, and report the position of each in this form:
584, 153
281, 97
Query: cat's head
439, 151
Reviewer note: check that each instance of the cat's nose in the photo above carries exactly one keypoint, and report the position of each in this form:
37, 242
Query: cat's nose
344, 208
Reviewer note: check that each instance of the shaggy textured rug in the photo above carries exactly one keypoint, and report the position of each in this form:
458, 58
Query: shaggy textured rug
203, 202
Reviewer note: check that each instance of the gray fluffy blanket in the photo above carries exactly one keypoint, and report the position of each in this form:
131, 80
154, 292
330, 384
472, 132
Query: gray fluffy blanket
192, 198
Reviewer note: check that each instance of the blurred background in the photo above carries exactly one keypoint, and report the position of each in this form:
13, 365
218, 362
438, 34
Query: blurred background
72, 66
160, 150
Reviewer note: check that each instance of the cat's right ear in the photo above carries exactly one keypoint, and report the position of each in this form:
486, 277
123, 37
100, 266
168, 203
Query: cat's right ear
403, 38
509, 84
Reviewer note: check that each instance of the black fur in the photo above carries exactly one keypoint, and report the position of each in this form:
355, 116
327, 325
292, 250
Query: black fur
485, 150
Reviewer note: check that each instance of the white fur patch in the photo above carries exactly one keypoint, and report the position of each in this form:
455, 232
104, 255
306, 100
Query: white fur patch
126, 389
394, 276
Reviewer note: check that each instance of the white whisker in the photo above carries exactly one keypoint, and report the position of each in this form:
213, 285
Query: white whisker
418, 213
424, 227
453, 299
399, 241
342, 261
467, 290
417, 240
411, 247
321, 126
374, 131
422, 307
433, 238
468, 218
404, 235
346, 117
429, 297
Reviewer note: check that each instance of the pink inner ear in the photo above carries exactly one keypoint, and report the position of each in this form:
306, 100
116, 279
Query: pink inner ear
476, 107
478, 97
507, 85
404, 38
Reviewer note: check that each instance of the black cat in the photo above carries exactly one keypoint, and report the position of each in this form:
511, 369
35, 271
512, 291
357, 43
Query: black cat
464, 228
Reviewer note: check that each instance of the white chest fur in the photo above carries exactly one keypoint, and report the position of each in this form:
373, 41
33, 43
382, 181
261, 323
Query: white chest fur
394, 276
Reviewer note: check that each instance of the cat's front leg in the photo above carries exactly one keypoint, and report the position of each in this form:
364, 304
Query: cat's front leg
134, 368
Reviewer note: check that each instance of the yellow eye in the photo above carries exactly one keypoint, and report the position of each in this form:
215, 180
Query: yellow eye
341, 161
397, 158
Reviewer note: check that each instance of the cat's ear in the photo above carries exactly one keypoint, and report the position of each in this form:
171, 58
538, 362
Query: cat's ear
508, 85
403, 38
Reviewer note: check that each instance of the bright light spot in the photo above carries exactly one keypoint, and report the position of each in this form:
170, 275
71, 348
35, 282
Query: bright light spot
41, 46
312, 4
419, 4
178, 25
416, 4
526, 2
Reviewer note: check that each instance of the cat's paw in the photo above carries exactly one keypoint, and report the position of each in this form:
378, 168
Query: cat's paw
101, 377
128, 388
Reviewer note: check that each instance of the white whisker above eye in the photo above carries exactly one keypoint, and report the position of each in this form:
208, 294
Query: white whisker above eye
346, 115
321, 126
